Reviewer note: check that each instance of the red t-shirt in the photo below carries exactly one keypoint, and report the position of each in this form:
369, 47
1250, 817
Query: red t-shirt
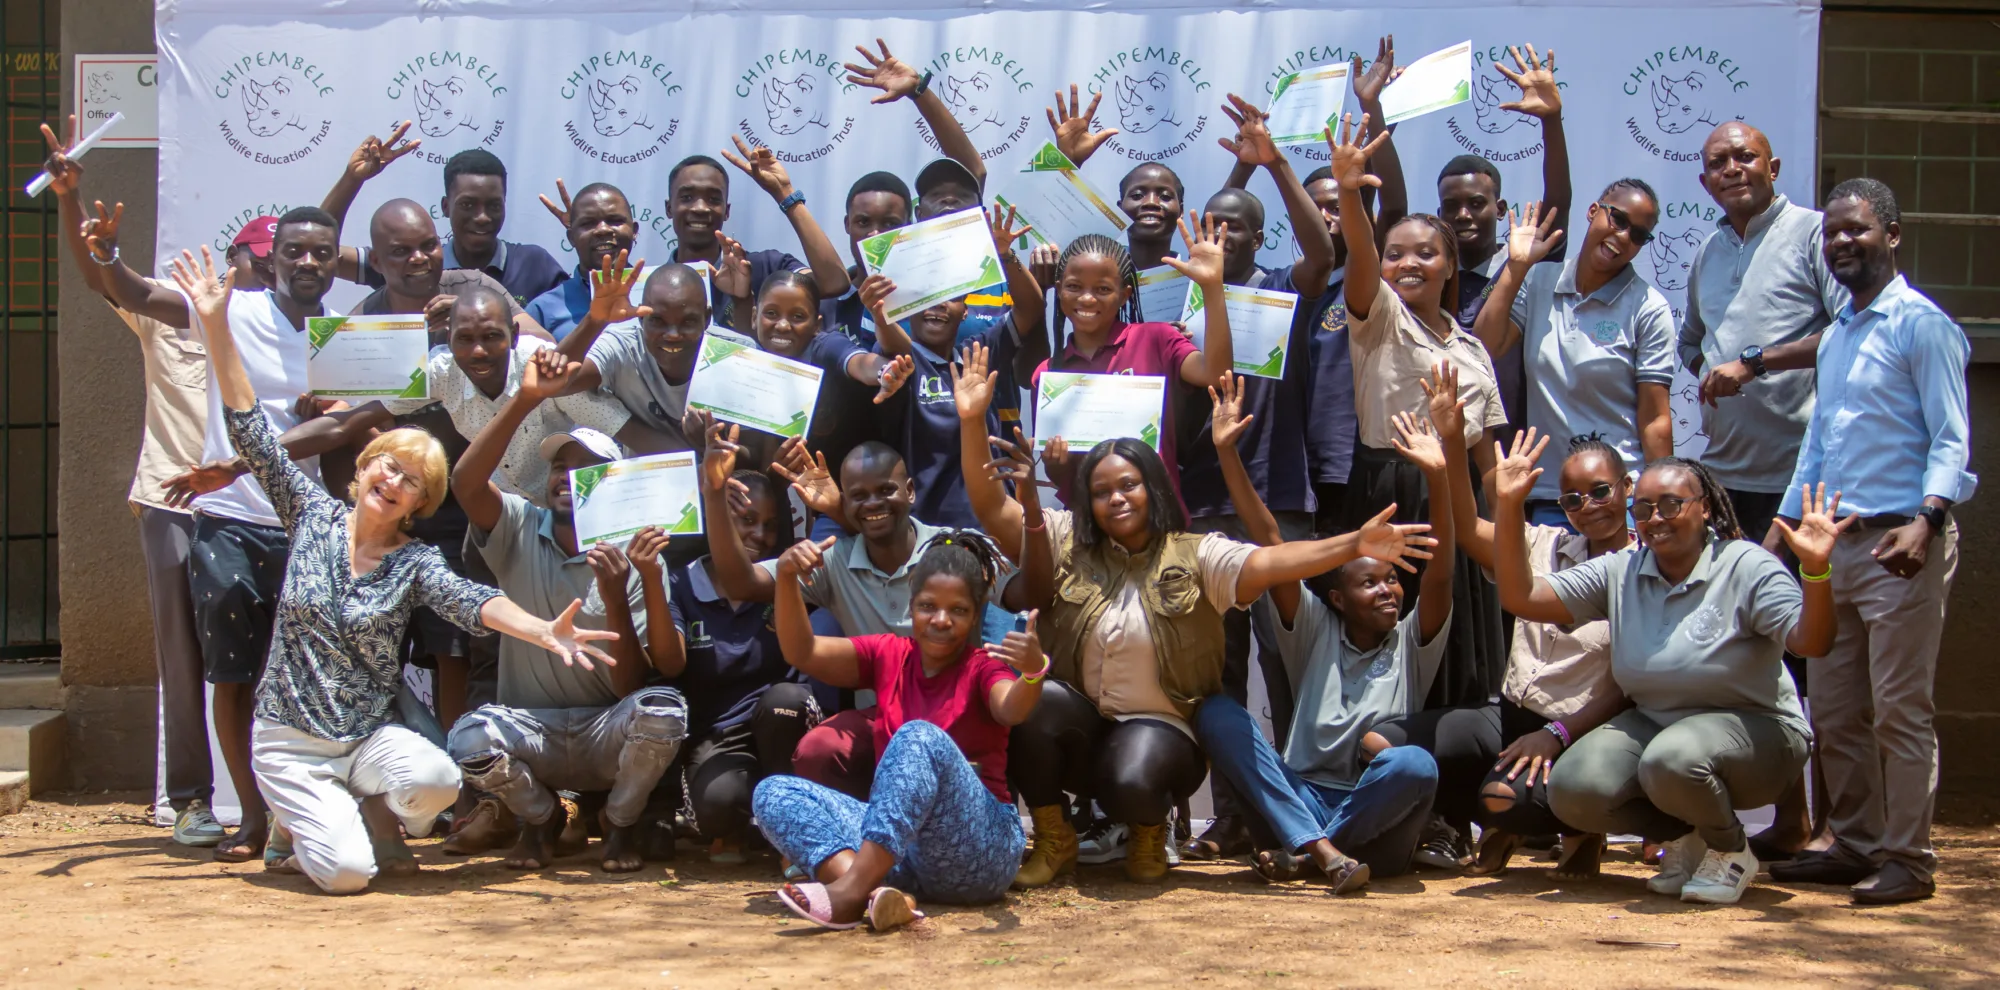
1135, 349
954, 700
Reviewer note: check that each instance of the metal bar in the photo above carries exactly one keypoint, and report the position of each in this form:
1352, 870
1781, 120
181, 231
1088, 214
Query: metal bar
1954, 219
1912, 115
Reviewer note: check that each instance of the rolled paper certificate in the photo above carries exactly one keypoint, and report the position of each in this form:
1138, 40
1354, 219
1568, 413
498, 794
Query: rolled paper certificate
89, 141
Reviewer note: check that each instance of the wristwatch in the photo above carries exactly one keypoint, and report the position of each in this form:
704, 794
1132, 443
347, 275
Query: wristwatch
1935, 516
797, 197
1753, 358
923, 86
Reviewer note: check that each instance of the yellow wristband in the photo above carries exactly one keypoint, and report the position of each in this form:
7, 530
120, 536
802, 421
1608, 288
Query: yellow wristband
1816, 578
1036, 677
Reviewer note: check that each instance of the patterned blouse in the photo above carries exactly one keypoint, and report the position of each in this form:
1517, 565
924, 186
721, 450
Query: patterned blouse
336, 651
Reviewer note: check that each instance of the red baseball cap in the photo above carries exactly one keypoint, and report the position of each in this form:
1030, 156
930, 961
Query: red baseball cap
257, 235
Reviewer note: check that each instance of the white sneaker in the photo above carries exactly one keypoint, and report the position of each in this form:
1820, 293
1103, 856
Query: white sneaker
1722, 877
1683, 855
1103, 842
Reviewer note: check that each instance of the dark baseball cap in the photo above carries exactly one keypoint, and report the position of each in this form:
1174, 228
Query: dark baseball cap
945, 171
257, 235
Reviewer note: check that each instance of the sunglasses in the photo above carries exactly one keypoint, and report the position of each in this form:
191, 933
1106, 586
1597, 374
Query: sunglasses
1666, 508
1599, 494
1622, 221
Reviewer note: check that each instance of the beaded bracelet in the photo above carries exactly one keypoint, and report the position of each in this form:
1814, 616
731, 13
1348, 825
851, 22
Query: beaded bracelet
1560, 731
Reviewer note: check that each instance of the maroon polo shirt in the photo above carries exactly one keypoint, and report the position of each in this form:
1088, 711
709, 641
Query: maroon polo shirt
1134, 349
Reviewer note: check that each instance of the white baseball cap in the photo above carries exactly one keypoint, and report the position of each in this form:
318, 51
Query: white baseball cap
594, 441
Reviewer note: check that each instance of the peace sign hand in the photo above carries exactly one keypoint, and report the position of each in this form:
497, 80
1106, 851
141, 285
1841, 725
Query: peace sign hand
100, 233
561, 213
64, 172
375, 154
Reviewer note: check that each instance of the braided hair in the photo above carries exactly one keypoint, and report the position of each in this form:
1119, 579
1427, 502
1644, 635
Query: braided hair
966, 554
1448, 301
1128, 276
1594, 443
1632, 184
1721, 513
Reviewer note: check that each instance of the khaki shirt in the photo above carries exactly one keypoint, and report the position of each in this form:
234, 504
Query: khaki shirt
1393, 352
1554, 670
176, 405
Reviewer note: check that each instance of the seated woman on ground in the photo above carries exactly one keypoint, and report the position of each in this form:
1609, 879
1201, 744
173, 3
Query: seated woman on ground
939, 822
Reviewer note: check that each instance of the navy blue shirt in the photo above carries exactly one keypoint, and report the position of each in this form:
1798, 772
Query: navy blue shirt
1331, 425
721, 308
732, 652
830, 352
526, 270
1274, 446
848, 415
930, 437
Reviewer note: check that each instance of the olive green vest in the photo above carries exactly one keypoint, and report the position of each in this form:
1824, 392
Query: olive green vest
1186, 631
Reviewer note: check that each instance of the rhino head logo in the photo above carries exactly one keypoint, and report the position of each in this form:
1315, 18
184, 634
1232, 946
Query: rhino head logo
1142, 103
971, 100
1677, 106
267, 107
441, 107
99, 87
1673, 258
612, 107
1486, 112
785, 104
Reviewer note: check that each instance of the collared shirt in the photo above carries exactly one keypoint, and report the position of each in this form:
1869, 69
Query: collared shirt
1475, 283
1890, 426
1273, 446
732, 651
847, 406
176, 405
537, 575
863, 598
1393, 353
1587, 355
562, 307
1768, 287
274, 358
522, 471
1343, 690
450, 282
526, 270
929, 438
1134, 349
1554, 670
1713, 643
1331, 426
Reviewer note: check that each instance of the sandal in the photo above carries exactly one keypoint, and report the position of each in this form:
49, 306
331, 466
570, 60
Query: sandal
1347, 875
250, 843
818, 907
1584, 861
1280, 866
1495, 849
278, 851
889, 908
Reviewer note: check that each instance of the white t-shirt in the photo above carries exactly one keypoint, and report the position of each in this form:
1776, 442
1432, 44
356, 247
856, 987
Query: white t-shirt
274, 356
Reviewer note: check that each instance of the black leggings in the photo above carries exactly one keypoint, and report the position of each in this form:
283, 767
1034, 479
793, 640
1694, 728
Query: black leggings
1466, 742
1136, 770
723, 769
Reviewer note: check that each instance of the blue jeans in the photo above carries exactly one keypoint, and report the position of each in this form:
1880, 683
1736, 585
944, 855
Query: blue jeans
954, 842
1378, 822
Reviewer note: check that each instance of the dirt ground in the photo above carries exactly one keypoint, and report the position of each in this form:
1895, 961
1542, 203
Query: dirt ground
93, 896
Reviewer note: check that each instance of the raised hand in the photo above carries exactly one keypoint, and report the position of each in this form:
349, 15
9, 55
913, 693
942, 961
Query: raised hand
893, 76
200, 479
1368, 83
375, 154
732, 273
1022, 649
875, 292
100, 233
972, 384
546, 374
803, 558
1540, 98
1418, 443
645, 549
1043, 260
1229, 422
565, 640
894, 374
1003, 230
1813, 539
1531, 234
437, 312
1447, 407
1074, 138
1055, 454
64, 172
209, 294
814, 484
792, 456
1203, 265
1350, 159
611, 291
762, 166
718, 461
1383, 540
610, 566
1252, 145
561, 213
1514, 472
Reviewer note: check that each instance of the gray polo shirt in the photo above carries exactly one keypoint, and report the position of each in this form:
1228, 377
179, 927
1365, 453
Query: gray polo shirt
1344, 691
537, 575
1713, 643
631, 375
1770, 287
865, 600
1586, 356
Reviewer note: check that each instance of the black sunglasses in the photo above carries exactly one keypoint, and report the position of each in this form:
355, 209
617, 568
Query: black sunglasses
1622, 220
1668, 507
1572, 501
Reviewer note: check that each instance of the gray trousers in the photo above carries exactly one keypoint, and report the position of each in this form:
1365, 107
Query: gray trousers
163, 537
1633, 775
1872, 709
523, 756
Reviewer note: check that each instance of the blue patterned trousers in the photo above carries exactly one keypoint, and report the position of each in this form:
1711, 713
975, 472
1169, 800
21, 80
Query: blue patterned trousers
954, 842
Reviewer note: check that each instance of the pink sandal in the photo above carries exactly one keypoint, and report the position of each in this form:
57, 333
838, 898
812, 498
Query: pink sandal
889, 908
818, 907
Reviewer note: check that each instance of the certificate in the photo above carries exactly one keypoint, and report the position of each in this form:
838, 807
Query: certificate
636, 295
1086, 410
737, 383
368, 357
934, 260
1052, 196
1163, 294
1436, 81
1260, 326
615, 500
1306, 104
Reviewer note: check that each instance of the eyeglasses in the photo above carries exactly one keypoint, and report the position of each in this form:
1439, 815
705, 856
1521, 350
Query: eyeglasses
1667, 508
1622, 220
394, 468
1599, 494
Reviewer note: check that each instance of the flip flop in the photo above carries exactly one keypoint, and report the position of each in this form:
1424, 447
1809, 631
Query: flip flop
239, 839
818, 907
1280, 865
278, 851
889, 908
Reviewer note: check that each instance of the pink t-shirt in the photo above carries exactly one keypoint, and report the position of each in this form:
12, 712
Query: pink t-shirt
954, 700
1135, 349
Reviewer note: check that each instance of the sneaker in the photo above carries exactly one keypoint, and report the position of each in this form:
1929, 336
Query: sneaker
195, 825
1103, 842
1438, 847
1677, 864
1722, 877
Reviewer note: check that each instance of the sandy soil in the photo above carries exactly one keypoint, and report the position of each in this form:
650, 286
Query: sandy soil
92, 896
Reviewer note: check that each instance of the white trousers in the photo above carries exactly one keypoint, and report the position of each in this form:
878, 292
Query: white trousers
314, 787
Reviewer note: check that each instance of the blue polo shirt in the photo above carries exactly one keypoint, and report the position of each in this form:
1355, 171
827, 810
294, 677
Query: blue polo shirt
1331, 426
1274, 447
732, 652
930, 436
526, 270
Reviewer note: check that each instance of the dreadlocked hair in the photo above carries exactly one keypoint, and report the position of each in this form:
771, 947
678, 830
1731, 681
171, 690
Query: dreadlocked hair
1448, 301
1721, 514
966, 554
1128, 275
1594, 443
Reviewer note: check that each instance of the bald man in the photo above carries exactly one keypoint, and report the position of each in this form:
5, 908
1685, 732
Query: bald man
403, 246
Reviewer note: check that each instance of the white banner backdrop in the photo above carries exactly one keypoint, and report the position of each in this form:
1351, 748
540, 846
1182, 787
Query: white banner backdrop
259, 109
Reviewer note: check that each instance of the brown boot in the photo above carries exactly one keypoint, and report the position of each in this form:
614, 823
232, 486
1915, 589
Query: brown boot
1146, 854
488, 827
1055, 849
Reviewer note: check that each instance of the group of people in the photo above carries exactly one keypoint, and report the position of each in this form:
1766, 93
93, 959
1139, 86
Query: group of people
886, 645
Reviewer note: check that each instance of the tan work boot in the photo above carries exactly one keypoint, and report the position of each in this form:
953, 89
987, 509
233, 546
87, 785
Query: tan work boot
1146, 854
489, 826
1055, 848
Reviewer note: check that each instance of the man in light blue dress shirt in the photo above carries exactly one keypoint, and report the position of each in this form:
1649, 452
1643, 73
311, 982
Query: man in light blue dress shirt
1889, 432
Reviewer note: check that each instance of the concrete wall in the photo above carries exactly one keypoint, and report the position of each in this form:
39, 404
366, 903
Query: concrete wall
1968, 680
107, 630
